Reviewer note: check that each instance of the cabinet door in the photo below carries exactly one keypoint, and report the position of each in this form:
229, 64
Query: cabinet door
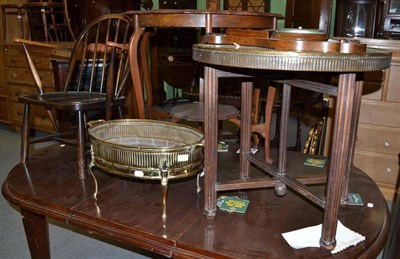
312, 14
355, 18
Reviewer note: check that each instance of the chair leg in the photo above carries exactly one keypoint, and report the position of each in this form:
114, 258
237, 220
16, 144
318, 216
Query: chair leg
25, 134
268, 118
46, 30
120, 110
256, 110
81, 143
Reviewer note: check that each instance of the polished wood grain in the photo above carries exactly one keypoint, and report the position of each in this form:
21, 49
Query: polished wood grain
129, 210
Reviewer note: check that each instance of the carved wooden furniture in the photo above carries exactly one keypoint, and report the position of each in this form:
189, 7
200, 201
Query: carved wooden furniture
209, 20
269, 61
96, 76
129, 212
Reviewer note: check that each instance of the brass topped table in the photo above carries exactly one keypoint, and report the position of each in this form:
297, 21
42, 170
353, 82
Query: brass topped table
222, 60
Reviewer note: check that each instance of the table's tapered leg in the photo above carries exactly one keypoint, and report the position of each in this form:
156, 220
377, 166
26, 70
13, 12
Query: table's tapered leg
210, 139
340, 153
37, 234
245, 128
280, 190
353, 137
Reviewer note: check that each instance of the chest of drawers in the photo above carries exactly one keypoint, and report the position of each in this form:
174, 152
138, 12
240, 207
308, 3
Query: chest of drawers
18, 80
378, 138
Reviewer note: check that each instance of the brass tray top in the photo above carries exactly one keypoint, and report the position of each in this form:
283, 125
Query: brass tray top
271, 59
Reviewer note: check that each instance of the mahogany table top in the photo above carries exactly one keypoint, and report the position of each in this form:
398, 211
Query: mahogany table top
130, 210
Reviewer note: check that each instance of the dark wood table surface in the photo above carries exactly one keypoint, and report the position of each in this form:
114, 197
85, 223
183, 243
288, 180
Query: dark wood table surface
130, 211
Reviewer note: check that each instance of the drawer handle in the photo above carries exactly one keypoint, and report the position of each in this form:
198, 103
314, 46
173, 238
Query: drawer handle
387, 144
19, 113
15, 75
388, 170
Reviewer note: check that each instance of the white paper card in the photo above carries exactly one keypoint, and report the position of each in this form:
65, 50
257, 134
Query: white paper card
138, 173
183, 158
309, 237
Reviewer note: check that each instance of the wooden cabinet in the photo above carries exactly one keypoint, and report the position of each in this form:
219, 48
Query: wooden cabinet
378, 138
356, 18
18, 80
314, 14
389, 19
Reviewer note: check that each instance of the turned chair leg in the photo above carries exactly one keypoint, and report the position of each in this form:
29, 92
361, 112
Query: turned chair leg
81, 145
25, 134
120, 110
268, 118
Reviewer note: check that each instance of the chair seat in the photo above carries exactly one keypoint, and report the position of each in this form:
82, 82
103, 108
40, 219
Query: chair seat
194, 111
73, 101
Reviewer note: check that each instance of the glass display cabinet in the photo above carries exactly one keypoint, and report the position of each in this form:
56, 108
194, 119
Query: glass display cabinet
390, 25
356, 18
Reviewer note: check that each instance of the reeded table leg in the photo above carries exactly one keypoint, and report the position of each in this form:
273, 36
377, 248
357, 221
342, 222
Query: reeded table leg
37, 234
280, 190
210, 139
245, 128
340, 155
353, 137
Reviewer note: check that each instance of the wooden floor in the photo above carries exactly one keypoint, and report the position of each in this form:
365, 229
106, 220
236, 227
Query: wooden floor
130, 210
